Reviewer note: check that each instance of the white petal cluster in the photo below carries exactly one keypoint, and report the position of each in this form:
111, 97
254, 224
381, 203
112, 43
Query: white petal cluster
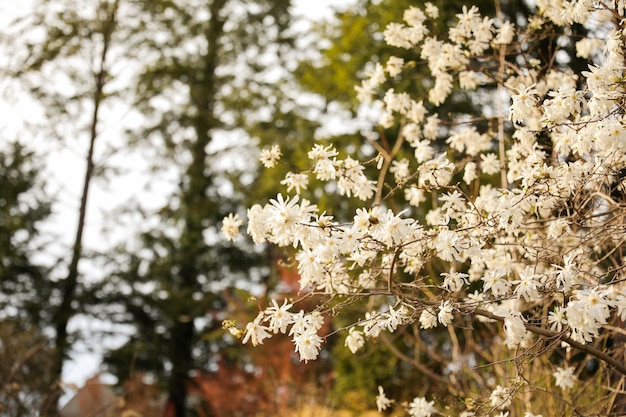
419, 407
382, 402
564, 377
513, 217
303, 330
500, 397
256, 332
355, 340
586, 313
269, 157
231, 225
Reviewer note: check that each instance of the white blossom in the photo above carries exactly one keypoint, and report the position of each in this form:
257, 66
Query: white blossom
400, 170
469, 174
436, 173
427, 320
500, 397
382, 402
431, 10
525, 105
469, 80
528, 284
490, 164
519, 218
494, 281
308, 344
372, 326
258, 227
394, 66
393, 318
419, 407
231, 225
557, 319
514, 329
256, 332
415, 196
297, 181
505, 34
431, 128
445, 316
454, 281
354, 340
586, 46
564, 377
450, 246
279, 317
269, 157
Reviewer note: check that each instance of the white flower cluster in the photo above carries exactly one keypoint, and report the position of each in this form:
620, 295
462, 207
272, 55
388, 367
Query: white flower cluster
269, 157
419, 407
231, 225
304, 328
529, 219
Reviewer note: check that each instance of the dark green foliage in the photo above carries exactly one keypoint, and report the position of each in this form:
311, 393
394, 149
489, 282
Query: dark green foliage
205, 65
23, 206
62, 56
26, 378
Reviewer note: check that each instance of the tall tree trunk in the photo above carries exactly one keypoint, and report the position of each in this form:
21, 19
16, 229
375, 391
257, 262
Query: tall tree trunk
202, 89
67, 309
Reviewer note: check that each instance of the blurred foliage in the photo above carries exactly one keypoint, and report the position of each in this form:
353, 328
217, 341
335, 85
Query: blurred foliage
61, 55
205, 64
26, 378
24, 290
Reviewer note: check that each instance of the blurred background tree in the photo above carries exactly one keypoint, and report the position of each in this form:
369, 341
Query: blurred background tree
62, 57
23, 207
25, 371
207, 70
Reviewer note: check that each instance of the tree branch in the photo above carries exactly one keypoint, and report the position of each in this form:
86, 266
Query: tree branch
619, 366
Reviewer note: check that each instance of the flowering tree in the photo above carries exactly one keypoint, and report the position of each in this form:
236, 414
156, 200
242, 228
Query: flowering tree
510, 238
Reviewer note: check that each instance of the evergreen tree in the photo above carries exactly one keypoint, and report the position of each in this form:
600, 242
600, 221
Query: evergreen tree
22, 209
203, 74
62, 55
25, 371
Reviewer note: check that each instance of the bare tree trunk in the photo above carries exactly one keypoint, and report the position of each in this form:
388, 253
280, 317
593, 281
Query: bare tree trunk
67, 309
194, 197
